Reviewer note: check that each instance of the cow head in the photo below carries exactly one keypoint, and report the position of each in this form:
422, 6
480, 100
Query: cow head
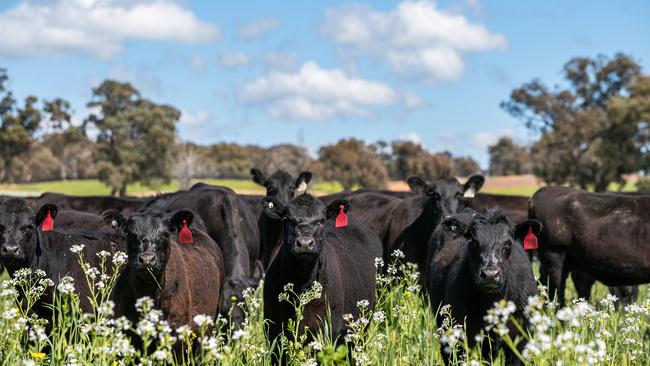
231, 294
303, 223
491, 239
281, 185
445, 193
148, 236
19, 229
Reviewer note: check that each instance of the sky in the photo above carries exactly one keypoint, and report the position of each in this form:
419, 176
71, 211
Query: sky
313, 72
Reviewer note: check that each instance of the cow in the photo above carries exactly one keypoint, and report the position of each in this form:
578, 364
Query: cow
91, 204
283, 187
604, 235
476, 256
171, 260
415, 218
27, 243
232, 226
340, 258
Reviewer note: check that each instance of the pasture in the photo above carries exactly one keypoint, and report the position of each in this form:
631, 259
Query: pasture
402, 328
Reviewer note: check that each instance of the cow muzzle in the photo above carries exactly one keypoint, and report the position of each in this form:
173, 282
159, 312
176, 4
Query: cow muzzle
10, 250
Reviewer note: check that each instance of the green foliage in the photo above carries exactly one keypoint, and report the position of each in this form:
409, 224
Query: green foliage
402, 329
351, 162
587, 140
508, 158
136, 137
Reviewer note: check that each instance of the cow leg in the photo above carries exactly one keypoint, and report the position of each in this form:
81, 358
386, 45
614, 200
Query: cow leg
626, 294
583, 283
554, 273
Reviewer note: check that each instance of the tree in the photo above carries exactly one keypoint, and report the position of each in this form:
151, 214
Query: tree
17, 126
287, 157
580, 144
352, 163
136, 137
410, 159
465, 166
508, 158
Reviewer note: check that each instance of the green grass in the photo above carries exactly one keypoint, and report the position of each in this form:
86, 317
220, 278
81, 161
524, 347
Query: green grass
529, 190
92, 187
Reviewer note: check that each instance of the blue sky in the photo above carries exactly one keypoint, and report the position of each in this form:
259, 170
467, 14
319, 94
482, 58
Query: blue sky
261, 72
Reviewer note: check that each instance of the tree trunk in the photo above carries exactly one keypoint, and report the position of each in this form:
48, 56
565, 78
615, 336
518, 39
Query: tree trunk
123, 191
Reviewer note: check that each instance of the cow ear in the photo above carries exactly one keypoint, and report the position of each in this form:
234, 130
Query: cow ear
258, 272
301, 182
334, 208
179, 218
115, 219
454, 225
417, 185
272, 208
45, 217
473, 185
521, 230
258, 176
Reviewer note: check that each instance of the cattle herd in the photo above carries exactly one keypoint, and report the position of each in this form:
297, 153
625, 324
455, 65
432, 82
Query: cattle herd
196, 251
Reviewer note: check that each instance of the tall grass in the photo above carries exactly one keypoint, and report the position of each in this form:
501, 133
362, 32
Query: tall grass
402, 329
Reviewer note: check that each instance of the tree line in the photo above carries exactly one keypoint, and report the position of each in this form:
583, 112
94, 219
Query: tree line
590, 133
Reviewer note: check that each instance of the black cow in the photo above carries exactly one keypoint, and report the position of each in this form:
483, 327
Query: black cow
91, 204
415, 218
283, 187
183, 276
605, 235
341, 259
24, 244
474, 260
229, 223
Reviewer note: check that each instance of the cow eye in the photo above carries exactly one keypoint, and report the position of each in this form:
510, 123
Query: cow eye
26, 227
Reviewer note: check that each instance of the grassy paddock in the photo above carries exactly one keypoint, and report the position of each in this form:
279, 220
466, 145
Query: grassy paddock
92, 187
401, 330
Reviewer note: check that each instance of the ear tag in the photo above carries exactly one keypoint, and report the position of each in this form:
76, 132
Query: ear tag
302, 187
342, 218
270, 205
48, 223
469, 193
114, 223
185, 235
530, 240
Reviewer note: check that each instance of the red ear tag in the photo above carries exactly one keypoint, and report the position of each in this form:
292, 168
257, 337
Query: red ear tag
185, 235
530, 240
342, 218
48, 223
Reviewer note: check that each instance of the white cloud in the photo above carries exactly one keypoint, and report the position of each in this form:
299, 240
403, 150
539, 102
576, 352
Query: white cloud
96, 27
417, 39
313, 93
194, 119
279, 60
412, 100
414, 137
257, 28
231, 59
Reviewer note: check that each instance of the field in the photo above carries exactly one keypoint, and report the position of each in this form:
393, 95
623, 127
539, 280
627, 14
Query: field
401, 330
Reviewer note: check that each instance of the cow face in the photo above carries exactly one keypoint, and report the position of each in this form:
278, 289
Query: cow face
491, 239
445, 193
148, 236
231, 293
303, 221
18, 229
281, 185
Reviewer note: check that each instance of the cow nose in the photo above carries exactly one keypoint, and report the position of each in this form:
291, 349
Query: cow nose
305, 243
146, 258
10, 249
490, 274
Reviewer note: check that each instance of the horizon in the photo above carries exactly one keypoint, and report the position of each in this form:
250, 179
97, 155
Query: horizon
267, 74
